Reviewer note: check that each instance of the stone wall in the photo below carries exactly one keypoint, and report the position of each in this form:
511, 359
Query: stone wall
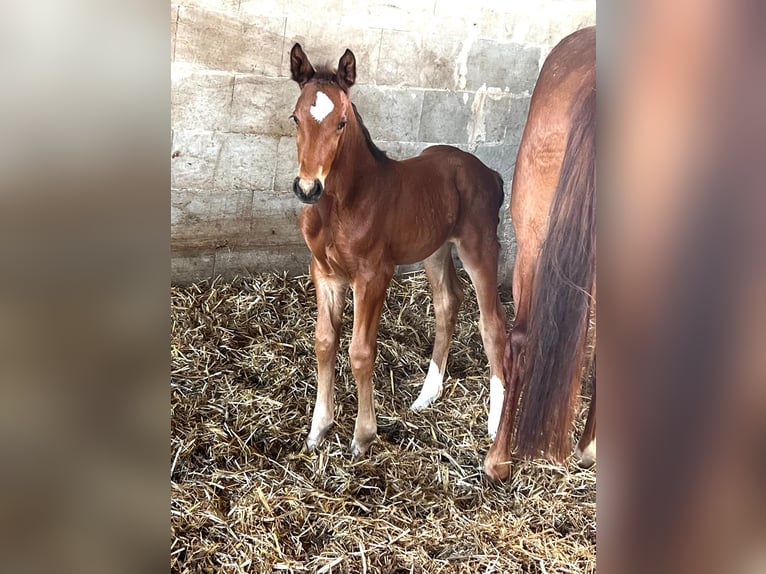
428, 71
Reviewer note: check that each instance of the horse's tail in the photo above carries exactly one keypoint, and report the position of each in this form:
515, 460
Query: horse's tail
561, 299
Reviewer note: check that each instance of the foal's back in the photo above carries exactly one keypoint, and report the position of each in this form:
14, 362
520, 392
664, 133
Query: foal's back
436, 197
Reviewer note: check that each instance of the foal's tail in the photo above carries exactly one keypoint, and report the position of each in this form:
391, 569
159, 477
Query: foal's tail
558, 318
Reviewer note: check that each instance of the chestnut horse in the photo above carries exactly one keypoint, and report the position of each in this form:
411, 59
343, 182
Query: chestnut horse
553, 214
368, 214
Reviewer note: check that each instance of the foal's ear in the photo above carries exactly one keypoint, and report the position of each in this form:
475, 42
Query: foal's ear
347, 70
300, 67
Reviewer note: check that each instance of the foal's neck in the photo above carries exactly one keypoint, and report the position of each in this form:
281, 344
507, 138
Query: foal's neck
355, 165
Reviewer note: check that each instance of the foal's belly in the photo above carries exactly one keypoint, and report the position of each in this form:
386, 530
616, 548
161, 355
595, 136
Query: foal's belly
349, 258
414, 253
418, 234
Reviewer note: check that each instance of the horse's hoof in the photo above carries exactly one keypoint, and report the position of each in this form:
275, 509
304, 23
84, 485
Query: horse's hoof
497, 471
587, 458
586, 462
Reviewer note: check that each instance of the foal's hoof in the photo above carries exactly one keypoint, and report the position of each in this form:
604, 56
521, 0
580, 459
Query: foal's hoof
317, 434
426, 401
359, 448
431, 390
315, 440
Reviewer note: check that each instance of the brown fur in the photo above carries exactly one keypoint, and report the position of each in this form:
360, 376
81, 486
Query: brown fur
372, 213
553, 212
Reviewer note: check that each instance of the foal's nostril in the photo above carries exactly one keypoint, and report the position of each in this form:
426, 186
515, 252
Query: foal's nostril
306, 190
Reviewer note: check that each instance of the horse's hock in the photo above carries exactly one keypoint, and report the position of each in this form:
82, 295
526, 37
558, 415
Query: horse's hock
428, 72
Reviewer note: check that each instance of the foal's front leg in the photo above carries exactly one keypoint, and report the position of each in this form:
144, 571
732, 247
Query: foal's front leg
369, 295
331, 298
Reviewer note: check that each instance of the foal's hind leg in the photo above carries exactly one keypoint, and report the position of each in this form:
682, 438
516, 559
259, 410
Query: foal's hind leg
479, 254
448, 295
497, 462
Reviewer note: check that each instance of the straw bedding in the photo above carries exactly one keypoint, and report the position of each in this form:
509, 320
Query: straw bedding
247, 497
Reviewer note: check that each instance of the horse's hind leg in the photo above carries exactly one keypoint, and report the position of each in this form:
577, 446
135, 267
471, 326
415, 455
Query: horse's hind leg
479, 254
585, 454
497, 462
448, 296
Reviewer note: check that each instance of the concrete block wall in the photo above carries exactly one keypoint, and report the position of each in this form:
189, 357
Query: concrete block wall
428, 71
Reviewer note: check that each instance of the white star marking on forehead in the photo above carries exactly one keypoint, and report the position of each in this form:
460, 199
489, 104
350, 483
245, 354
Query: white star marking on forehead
322, 107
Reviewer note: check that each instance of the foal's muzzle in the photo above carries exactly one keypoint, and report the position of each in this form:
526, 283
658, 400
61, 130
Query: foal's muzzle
310, 194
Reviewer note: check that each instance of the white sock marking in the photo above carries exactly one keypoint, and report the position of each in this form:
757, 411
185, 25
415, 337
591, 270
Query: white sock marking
432, 388
319, 423
322, 107
496, 396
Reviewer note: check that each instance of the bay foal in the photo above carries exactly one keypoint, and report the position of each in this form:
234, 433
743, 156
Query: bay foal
367, 214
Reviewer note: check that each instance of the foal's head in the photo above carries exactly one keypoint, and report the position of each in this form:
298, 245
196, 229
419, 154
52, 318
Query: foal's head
321, 114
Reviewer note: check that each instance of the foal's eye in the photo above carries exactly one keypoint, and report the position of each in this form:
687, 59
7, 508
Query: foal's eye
294, 118
342, 124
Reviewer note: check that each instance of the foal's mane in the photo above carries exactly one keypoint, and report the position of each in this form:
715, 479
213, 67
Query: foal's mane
327, 75
377, 153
